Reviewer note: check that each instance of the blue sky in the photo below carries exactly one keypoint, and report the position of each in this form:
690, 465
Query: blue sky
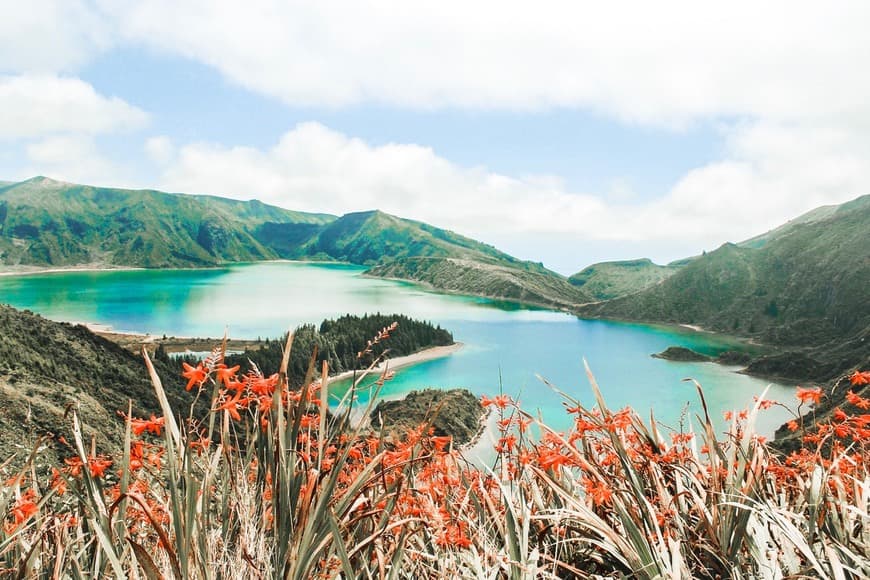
564, 132
192, 102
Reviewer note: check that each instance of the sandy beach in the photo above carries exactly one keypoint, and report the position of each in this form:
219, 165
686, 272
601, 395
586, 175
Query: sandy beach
358, 414
424, 355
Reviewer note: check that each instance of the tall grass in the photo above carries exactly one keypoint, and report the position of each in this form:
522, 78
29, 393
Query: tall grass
273, 484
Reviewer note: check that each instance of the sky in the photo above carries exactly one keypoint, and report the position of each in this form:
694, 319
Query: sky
565, 132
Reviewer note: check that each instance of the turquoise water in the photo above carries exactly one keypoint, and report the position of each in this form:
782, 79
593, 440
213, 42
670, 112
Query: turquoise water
505, 348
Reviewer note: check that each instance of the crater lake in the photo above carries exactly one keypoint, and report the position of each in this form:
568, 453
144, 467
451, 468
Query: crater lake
506, 347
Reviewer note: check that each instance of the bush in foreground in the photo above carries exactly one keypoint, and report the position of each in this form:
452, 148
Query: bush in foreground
272, 484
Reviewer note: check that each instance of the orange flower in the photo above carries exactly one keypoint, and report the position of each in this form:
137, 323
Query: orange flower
860, 378
523, 424
73, 466
441, 442
152, 425
500, 401
200, 444
21, 511
551, 458
194, 376
98, 465
224, 374
857, 400
58, 483
308, 421
813, 395
506, 444
792, 426
232, 406
599, 493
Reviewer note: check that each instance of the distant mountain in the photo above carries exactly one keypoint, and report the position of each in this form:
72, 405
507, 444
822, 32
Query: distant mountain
50, 223
804, 287
367, 238
411, 250
608, 280
47, 223
489, 279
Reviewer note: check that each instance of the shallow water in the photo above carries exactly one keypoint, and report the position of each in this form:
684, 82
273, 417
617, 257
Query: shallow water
506, 346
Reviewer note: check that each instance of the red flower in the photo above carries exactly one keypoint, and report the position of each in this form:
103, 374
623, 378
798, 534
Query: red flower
500, 401
441, 442
599, 493
232, 406
857, 400
194, 376
224, 374
153, 425
860, 378
813, 395
21, 511
98, 465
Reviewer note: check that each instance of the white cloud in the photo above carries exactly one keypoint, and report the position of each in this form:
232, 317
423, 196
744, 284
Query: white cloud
33, 106
766, 180
784, 78
160, 149
658, 62
73, 158
50, 35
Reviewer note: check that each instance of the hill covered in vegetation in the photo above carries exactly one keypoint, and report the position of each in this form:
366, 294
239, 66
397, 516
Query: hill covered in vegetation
455, 413
48, 367
802, 288
44, 222
608, 280
47, 223
343, 343
530, 284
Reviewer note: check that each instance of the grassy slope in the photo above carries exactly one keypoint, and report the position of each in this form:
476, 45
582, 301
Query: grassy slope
608, 280
47, 366
802, 287
491, 280
412, 250
370, 237
49, 223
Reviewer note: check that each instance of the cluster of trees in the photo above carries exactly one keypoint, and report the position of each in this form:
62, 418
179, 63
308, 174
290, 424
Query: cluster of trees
340, 341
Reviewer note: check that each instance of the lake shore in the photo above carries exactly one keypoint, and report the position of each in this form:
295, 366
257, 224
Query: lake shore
30, 270
134, 341
427, 354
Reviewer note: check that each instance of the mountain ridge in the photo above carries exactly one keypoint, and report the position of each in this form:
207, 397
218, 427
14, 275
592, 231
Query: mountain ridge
801, 288
47, 223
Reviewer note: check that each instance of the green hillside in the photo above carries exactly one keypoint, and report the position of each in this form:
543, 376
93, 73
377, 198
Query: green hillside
491, 280
372, 237
47, 366
608, 280
47, 223
50, 223
804, 288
